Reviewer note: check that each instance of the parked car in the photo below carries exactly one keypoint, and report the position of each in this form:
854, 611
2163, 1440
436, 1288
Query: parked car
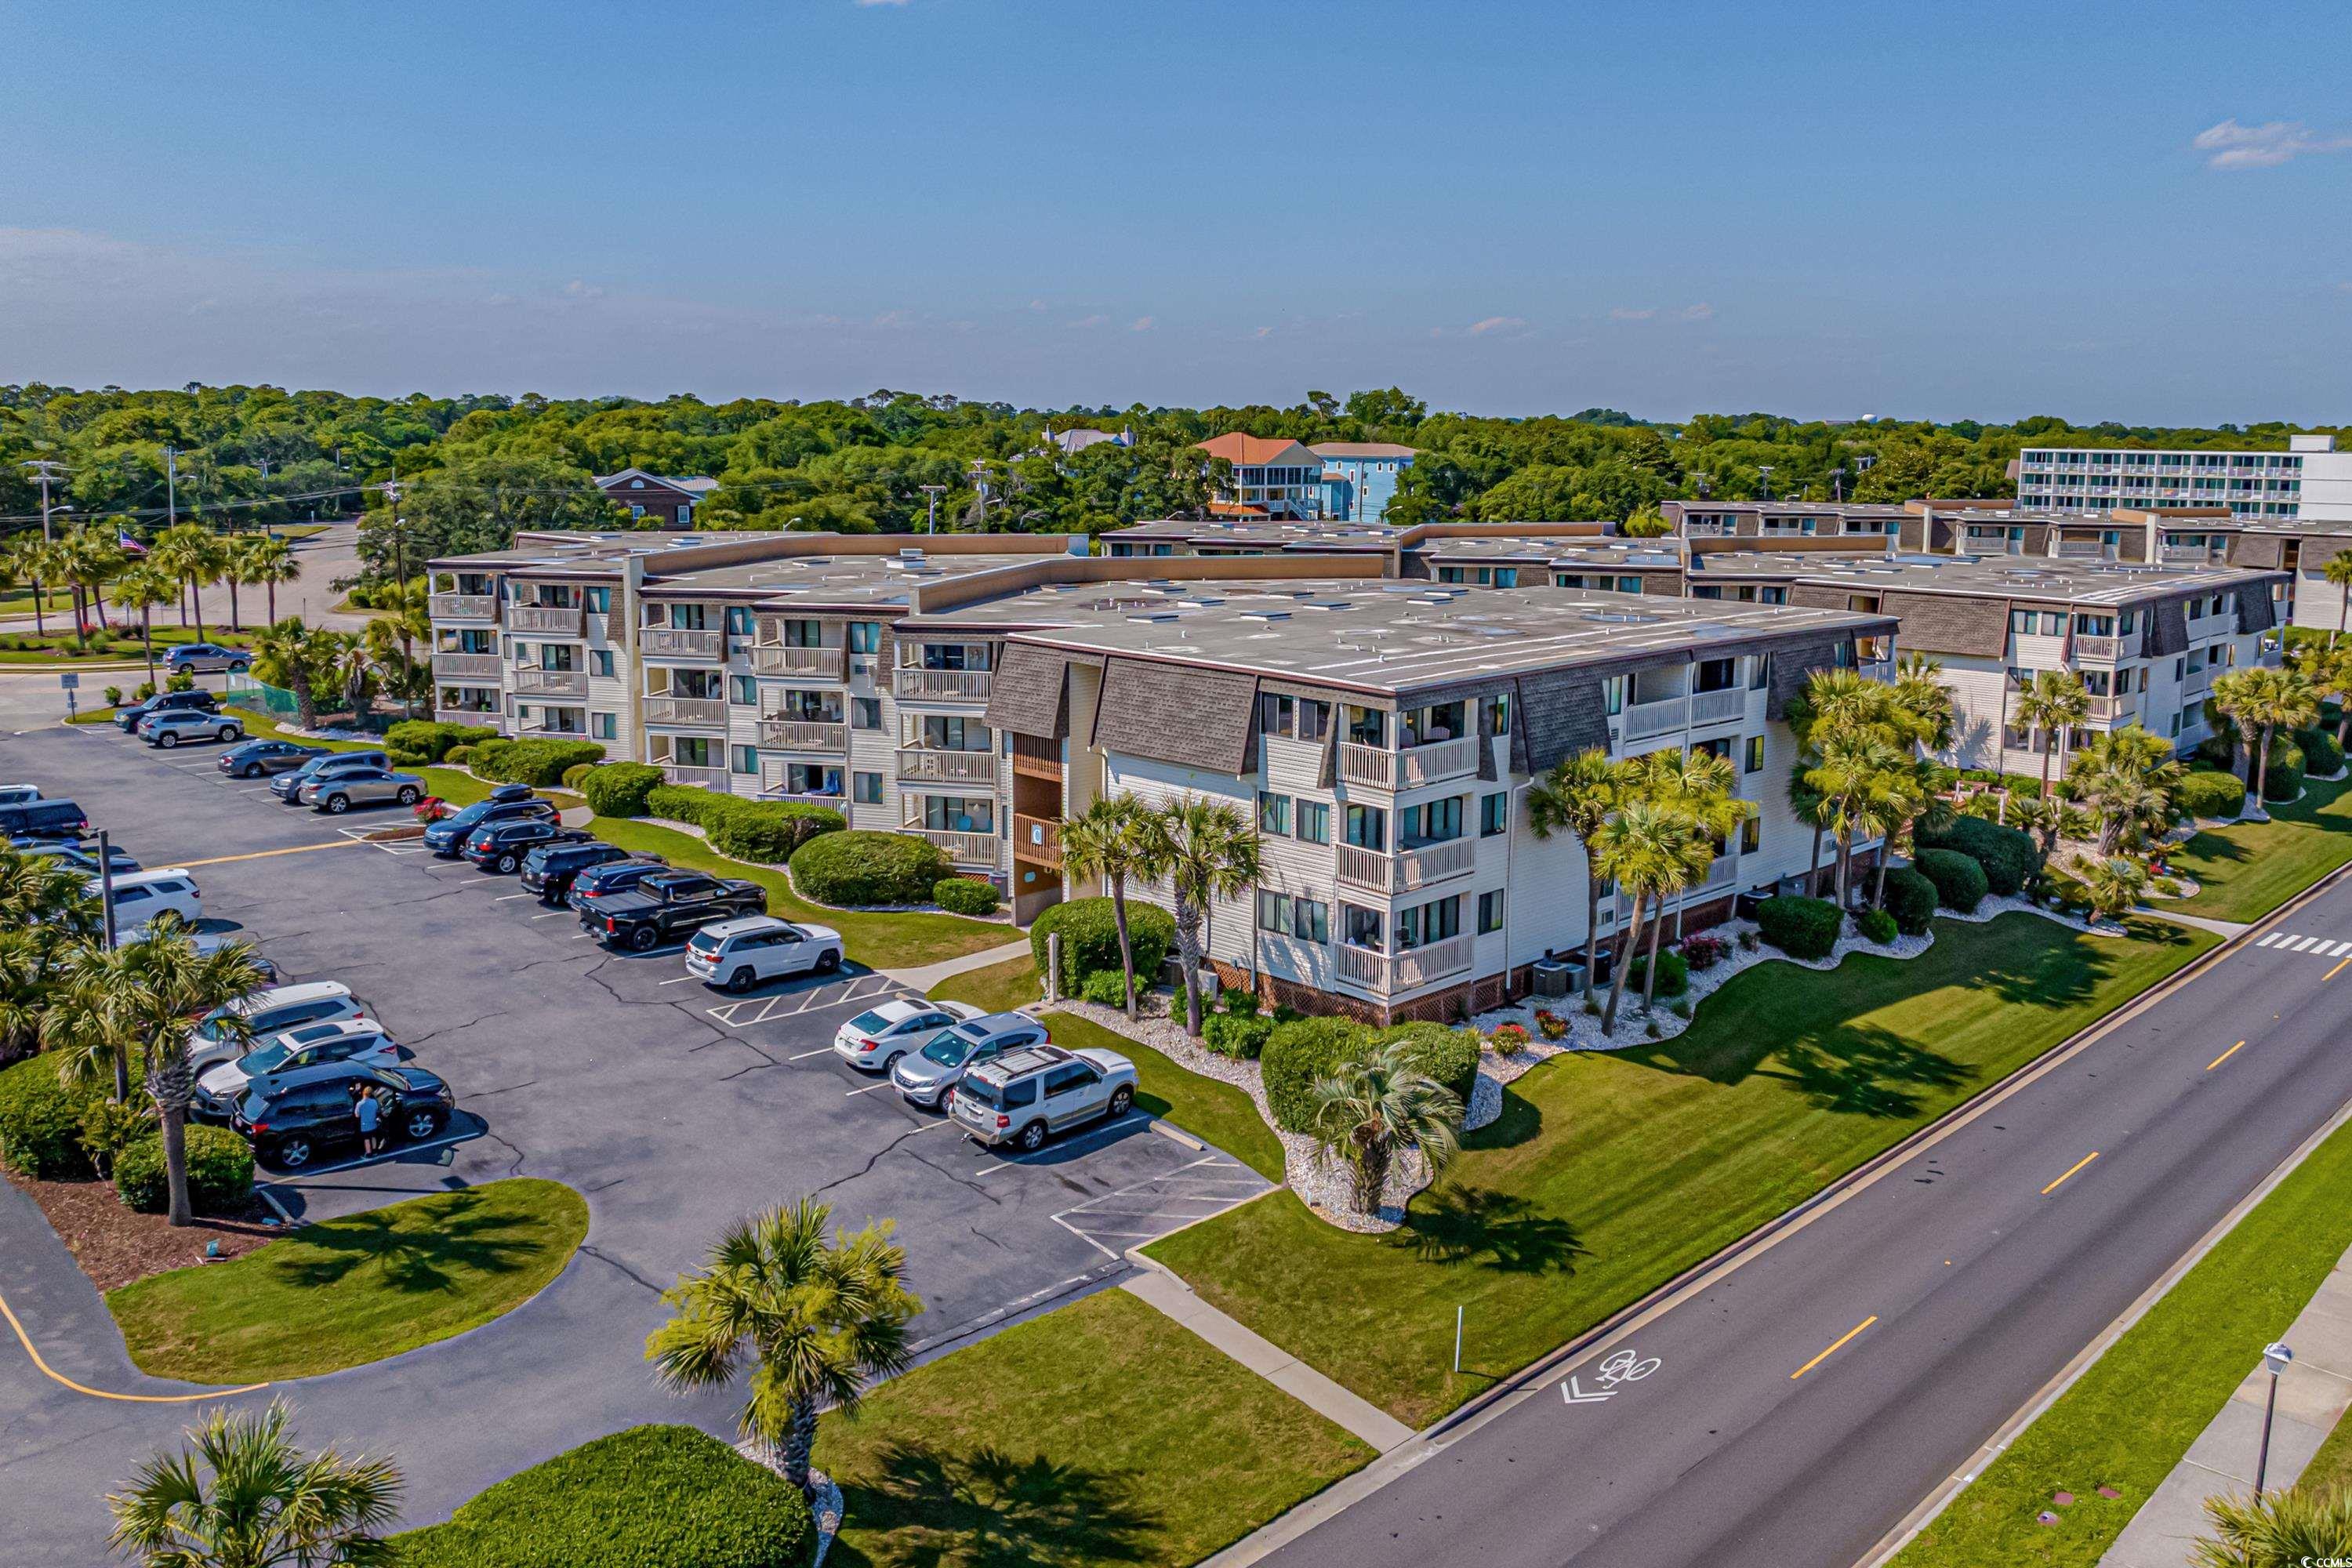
287, 787
44, 819
290, 1129
312, 1052
207, 658
1023, 1097
212, 941
267, 1012
925, 1078
669, 905
169, 728
251, 759
447, 837
127, 717
144, 896
19, 794
336, 792
613, 877
500, 846
74, 857
739, 954
550, 870
877, 1038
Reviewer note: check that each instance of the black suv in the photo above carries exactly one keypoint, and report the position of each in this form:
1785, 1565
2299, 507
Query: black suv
550, 869
43, 819
666, 906
126, 718
500, 846
508, 803
289, 1129
612, 877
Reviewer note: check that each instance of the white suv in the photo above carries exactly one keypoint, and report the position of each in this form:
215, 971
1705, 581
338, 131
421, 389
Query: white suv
1023, 1097
739, 954
270, 1011
877, 1038
297, 1056
140, 896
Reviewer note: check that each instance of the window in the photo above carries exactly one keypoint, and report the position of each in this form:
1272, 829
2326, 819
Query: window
1367, 827
691, 751
866, 713
943, 733
865, 637
1717, 674
1274, 814
1314, 821
1277, 714
739, 621
952, 814
604, 726
1494, 815
1368, 727
869, 788
744, 689
600, 661
1751, 835
1314, 719
1425, 924
1755, 763
801, 632
1310, 921
1432, 822
746, 759
1506, 577
1361, 928
689, 617
1274, 912
599, 599
1628, 584
1490, 911
1498, 714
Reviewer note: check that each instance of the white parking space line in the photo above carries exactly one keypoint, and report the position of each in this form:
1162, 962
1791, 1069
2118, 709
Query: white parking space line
292, 1177
680, 980
869, 1088
511, 898
1089, 1240
820, 1051
551, 914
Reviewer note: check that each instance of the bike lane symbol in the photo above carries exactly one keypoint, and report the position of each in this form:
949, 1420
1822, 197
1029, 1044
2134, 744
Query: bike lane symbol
1619, 1368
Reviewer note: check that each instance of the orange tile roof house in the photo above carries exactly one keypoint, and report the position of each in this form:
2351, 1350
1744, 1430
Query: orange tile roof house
1272, 477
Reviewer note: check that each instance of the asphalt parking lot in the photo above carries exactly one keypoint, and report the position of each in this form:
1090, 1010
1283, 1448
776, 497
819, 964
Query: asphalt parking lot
674, 1107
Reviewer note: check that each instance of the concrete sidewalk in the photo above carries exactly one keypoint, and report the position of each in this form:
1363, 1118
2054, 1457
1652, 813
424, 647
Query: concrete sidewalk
930, 974
2313, 1394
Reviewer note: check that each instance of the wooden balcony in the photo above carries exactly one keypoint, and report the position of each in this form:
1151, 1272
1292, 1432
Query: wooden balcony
695, 712
1380, 873
913, 682
816, 663
531, 681
684, 642
1037, 838
1378, 768
464, 607
922, 763
803, 734
700, 778
963, 848
547, 620
468, 666
1387, 973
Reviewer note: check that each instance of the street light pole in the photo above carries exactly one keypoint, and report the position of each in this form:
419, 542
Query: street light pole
1766, 470
171, 488
931, 523
2277, 1358
45, 469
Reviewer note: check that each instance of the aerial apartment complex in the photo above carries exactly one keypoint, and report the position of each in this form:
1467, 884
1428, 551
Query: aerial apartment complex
2310, 479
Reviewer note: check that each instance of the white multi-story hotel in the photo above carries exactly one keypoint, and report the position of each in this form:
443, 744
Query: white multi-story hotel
2310, 479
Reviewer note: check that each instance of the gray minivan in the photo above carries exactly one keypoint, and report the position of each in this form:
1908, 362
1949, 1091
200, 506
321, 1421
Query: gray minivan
287, 787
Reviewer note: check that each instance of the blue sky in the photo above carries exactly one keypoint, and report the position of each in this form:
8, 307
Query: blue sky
1833, 210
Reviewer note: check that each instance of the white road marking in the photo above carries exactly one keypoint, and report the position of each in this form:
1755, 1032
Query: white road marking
680, 980
549, 915
2274, 936
820, 1051
511, 898
869, 1088
2340, 948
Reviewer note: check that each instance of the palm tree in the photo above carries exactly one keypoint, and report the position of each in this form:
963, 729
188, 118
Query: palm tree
816, 1319
2125, 778
270, 562
2338, 571
195, 556
1366, 1110
2114, 886
1112, 840
1206, 851
246, 1497
2264, 701
27, 563
48, 564
88, 557
2052, 702
236, 570
1919, 692
2277, 1529
1576, 797
1861, 779
2044, 815
408, 616
297, 657
90, 1027
170, 986
2330, 670
1702, 788
142, 588
1642, 849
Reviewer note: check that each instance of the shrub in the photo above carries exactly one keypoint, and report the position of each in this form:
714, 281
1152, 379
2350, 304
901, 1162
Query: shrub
1553, 1024
966, 895
651, 1497
1877, 926
2007, 855
431, 739
1297, 1056
2219, 748
114, 697
1507, 1039
146, 688
576, 772
1748, 942
1233, 1000
679, 803
40, 1121
2205, 793
619, 789
1704, 951
537, 762
2322, 757
220, 1172
1090, 938
458, 756
1910, 901
1240, 1035
849, 867
2285, 780
1799, 926
1674, 973
107, 1127
1960, 883
178, 680
768, 831
1107, 988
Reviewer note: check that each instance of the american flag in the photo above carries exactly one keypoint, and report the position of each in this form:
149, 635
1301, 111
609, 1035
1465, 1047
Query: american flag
130, 546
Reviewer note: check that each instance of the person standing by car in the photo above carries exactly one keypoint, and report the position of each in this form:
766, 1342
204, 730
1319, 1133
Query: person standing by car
368, 1113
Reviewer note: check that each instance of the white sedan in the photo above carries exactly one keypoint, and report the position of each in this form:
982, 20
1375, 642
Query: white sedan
876, 1038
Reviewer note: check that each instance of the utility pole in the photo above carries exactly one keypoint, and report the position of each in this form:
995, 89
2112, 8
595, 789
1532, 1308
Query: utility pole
931, 523
1765, 470
171, 488
45, 469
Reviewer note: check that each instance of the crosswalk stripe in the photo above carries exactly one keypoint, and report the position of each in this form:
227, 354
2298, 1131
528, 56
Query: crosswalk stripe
2304, 944
2339, 948
2274, 937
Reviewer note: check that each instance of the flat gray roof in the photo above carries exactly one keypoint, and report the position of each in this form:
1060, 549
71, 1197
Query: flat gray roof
1977, 576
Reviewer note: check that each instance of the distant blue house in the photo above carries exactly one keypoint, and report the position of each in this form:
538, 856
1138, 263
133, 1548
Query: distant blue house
1360, 478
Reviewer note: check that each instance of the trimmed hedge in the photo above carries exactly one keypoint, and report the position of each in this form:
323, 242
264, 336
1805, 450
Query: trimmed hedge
862, 867
619, 789
767, 831
578, 771
1107, 988
1877, 926
40, 1121
537, 762
2285, 780
966, 895
2322, 757
220, 1172
1090, 939
1910, 901
1298, 1055
460, 756
1240, 1035
2203, 793
1674, 973
1960, 883
651, 1497
429, 740
1799, 926
2007, 855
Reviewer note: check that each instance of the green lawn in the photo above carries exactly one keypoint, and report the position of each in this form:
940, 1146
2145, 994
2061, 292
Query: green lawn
1102, 1433
2250, 868
19, 602
23, 646
889, 940
999, 988
346, 1291
2331, 1468
2129, 1419
1609, 1174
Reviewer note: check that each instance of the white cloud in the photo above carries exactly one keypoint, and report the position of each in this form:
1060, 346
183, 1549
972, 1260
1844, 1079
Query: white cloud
1627, 313
1140, 324
1702, 311
578, 289
1091, 321
895, 319
1263, 332
2231, 145
1494, 324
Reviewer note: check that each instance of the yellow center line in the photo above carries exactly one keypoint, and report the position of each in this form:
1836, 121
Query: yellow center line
2077, 1166
1833, 1349
266, 854
2333, 972
47, 1371
2225, 1056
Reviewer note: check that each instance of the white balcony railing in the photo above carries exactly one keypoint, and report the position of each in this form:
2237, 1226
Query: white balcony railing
470, 716
1390, 972
818, 663
921, 762
2080, 550
1718, 707
1435, 762
547, 620
700, 778
963, 848
803, 734
1408, 870
463, 665
464, 606
2106, 710
1643, 719
944, 685
681, 642
696, 713
2100, 650
530, 680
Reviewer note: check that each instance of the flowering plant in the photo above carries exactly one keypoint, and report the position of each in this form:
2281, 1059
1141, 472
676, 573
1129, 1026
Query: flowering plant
1553, 1025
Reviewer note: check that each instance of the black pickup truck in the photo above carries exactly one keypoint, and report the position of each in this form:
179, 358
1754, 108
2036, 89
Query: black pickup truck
668, 907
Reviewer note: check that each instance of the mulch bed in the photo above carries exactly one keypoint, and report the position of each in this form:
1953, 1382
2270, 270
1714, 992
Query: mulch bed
116, 1246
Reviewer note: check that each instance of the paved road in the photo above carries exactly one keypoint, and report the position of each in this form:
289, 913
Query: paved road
324, 556
1980, 1266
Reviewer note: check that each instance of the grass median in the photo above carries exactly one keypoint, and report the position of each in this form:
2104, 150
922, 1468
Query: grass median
2131, 1416
2248, 868
1103, 1432
1608, 1174
345, 1291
